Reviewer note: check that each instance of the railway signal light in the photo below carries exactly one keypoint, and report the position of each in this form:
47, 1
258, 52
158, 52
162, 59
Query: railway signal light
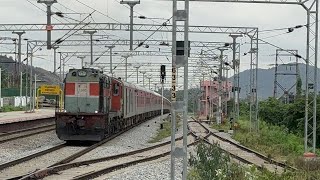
180, 48
163, 73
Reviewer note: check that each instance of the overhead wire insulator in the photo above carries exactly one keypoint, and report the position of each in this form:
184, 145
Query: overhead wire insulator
140, 44
142, 17
59, 14
290, 30
298, 26
59, 41
298, 56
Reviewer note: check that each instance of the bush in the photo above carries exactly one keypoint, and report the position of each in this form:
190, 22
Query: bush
274, 141
210, 162
9, 108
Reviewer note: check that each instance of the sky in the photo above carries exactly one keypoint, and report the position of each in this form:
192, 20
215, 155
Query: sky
262, 16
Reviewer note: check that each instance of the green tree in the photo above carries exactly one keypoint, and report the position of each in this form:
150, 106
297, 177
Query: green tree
299, 87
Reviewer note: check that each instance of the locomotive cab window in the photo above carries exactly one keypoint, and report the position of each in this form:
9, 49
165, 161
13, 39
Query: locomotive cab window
116, 89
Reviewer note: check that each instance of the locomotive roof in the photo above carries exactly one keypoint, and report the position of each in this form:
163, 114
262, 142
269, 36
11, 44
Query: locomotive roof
142, 89
125, 83
139, 88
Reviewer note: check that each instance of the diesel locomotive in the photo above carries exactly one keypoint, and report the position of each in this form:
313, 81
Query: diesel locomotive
97, 106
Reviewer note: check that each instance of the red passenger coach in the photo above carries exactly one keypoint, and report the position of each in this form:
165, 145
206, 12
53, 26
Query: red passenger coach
97, 106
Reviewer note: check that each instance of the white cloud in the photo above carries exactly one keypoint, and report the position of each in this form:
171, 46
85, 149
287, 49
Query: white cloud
263, 16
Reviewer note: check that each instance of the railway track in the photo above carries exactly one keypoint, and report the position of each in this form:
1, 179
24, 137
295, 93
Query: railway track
29, 164
66, 169
96, 167
13, 135
25, 124
244, 154
93, 168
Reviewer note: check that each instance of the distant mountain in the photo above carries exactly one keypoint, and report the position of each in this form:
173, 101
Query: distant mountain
8, 64
266, 80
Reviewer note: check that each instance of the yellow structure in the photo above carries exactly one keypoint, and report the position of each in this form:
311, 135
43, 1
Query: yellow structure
50, 90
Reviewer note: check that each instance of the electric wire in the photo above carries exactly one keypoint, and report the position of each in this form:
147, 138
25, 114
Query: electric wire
160, 27
106, 15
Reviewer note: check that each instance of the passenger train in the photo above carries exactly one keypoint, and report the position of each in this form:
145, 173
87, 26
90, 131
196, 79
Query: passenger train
97, 106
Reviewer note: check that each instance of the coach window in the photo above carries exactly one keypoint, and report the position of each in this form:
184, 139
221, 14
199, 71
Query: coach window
116, 89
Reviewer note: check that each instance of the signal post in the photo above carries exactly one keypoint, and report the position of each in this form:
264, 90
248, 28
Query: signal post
179, 59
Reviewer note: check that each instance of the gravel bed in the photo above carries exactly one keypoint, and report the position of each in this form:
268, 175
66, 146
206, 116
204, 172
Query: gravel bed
19, 148
131, 140
155, 170
39, 162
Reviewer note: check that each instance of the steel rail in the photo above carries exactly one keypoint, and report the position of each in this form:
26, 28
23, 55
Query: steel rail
54, 169
26, 158
20, 125
42, 129
82, 152
73, 156
98, 173
258, 154
63, 165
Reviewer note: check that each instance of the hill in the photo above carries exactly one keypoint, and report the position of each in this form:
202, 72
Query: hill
8, 67
266, 80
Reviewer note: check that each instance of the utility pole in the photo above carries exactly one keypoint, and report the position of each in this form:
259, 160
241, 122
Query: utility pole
15, 80
205, 90
82, 58
63, 66
149, 77
126, 66
0, 89
19, 33
131, 4
55, 58
60, 67
143, 72
227, 91
219, 114
110, 48
49, 14
137, 67
182, 106
21, 91
31, 71
236, 68
26, 80
34, 92
162, 78
91, 43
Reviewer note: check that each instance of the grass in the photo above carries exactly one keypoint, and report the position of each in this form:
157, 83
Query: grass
223, 126
273, 141
166, 131
10, 108
277, 143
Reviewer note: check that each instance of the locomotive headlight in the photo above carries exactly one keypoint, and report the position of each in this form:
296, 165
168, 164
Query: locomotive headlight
95, 111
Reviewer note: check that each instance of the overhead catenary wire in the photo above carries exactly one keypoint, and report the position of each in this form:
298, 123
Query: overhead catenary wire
284, 28
160, 27
67, 35
105, 14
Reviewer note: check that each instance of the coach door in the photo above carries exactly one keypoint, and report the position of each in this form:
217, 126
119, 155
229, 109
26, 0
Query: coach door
116, 96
